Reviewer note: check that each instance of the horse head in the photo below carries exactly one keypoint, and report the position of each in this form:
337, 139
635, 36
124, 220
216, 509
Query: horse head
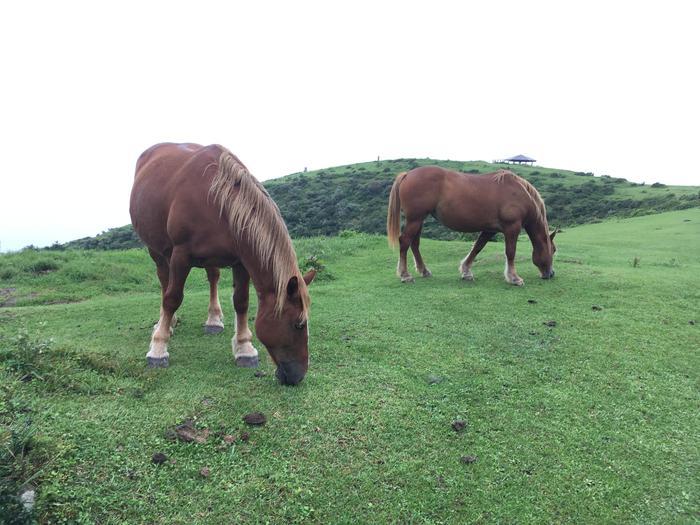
285, 333
543, 254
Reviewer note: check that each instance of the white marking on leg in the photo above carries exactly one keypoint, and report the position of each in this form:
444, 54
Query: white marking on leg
159, 340
511, 276
466, 270
215, 316
402, 272
242, 345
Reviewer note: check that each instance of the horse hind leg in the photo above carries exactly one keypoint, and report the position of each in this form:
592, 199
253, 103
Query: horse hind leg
163, 273
244, 352
215, 319
421, 268
465, 267
410, 229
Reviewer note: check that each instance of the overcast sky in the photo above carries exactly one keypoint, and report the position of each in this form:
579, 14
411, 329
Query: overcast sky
608, 87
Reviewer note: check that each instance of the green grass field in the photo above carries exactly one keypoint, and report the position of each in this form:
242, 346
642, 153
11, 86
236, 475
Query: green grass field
591, 420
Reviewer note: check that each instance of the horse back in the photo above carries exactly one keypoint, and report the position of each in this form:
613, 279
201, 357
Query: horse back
169, 200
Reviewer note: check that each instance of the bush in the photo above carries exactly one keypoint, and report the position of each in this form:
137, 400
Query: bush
314, 262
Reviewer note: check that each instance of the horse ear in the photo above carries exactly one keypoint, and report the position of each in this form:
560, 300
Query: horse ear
552, 234
309, 276
293, 286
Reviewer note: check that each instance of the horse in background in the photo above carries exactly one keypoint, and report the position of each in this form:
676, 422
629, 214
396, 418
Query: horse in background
489, 203
199, 206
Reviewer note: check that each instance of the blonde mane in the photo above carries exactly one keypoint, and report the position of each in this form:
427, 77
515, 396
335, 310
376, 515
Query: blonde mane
531, 192
251, 212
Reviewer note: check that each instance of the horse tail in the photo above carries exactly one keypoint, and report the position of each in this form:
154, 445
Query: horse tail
393, 216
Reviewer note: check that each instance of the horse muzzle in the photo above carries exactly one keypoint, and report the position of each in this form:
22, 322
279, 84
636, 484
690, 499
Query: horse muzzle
290, 373
548, 275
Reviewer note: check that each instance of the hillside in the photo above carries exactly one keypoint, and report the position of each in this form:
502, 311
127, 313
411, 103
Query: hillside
354, 197
578, 394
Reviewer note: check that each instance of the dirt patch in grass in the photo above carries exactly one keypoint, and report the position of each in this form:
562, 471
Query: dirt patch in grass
7, 297
187, 433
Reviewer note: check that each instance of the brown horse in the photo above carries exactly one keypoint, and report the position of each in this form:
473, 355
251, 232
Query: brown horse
199, 206
490, 203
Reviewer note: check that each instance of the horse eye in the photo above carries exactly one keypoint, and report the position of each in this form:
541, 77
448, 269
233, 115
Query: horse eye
300, 325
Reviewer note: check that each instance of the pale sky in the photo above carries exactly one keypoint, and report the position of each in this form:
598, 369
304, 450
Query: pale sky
608, 87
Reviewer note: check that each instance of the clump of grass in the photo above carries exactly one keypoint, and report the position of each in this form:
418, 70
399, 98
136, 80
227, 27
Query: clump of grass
58, 369
17, 441
22, 357
7, 273
42, 266
635, 262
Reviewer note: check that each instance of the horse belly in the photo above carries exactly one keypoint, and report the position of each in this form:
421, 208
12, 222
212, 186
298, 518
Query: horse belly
467, 215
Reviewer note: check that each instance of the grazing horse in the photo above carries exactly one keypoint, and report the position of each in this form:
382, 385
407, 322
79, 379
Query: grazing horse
489, 203
199, 206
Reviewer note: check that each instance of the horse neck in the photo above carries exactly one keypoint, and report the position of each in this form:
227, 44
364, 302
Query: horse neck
538, 231
261, 274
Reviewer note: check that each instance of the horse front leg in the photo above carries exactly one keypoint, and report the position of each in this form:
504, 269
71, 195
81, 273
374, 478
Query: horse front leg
511, 236
465, 267
215, 319
421, 268
244, 352
410, 229
179, 269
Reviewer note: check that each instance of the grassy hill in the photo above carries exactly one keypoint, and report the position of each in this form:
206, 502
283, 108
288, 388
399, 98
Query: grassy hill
579, 394
354, 197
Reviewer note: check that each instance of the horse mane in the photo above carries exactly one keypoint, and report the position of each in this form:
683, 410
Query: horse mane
251, 212
530, 191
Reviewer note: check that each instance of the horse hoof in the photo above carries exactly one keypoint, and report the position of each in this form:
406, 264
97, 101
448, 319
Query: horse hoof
157, 362
408, 279
517, 283
467, 277
247, 361
427, 273
213, 329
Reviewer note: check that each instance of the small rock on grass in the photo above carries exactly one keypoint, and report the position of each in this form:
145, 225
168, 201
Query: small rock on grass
532, 301
204, 472
467, 460
159, 458
27, 498
255, 418
434, 379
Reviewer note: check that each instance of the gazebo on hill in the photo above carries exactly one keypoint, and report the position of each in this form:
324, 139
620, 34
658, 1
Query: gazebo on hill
519, 159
